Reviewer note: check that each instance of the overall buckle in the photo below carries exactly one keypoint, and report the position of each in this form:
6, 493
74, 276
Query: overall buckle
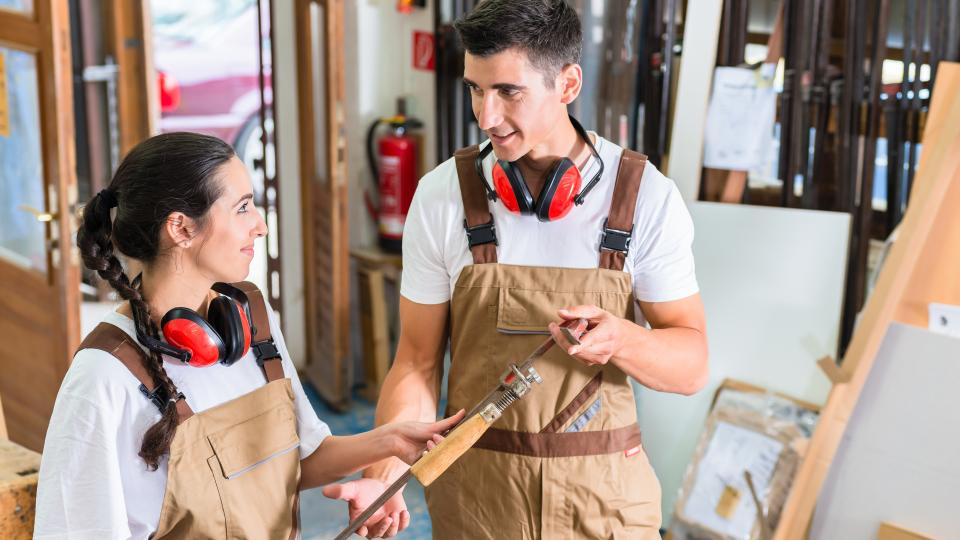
484, 233
615, 240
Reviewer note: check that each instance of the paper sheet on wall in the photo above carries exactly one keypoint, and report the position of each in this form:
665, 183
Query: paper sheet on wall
4, 103
740, 118
732, 450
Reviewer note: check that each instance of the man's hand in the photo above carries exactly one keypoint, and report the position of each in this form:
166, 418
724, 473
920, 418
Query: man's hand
604, 337
390, 519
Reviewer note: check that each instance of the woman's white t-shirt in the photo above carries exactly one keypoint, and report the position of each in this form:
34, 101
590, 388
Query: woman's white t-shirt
660, 258
92, 482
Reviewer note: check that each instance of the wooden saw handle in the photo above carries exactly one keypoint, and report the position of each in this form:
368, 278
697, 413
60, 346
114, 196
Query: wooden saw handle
429, 467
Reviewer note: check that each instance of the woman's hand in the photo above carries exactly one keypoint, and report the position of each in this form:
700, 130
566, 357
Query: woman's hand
409, 439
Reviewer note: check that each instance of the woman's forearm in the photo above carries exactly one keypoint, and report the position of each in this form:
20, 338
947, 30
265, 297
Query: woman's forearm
337, 457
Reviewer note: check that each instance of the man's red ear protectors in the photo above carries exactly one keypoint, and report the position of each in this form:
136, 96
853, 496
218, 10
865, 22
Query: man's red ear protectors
561, 188
223, 336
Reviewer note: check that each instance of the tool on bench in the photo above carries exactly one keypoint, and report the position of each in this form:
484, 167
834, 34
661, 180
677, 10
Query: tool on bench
515, 382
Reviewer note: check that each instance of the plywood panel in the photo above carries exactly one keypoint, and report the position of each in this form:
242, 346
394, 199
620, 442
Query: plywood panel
898, 458
772, 283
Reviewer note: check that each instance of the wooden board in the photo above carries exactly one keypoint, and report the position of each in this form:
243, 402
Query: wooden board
892, 532
701, 31
919, 270
18, 490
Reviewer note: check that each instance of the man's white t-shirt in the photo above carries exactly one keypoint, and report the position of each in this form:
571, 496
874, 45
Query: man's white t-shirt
660, 258
92, 482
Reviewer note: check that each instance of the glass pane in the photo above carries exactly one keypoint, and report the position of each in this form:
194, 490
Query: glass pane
19, 6
22, 235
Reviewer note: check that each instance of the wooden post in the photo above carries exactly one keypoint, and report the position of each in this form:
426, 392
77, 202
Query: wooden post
374, 327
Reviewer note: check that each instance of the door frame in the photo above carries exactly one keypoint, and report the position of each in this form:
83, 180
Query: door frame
323, 187
28, 298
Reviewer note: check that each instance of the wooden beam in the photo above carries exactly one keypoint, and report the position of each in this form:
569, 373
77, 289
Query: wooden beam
136, 80
918, 270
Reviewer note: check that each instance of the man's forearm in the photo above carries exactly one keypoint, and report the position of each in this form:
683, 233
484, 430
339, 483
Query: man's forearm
409, 392
667, 359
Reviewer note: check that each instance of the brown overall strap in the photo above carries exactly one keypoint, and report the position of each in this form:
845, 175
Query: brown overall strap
618, 229
481, 235
114, 341
272, 364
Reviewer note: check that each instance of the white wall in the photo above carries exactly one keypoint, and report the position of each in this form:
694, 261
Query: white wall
378, 43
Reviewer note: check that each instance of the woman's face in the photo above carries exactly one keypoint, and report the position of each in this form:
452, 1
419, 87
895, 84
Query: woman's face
225, 249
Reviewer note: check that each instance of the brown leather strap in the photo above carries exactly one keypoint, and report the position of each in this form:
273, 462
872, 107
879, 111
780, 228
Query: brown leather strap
273, 368
474, 196
553, 445
111, 339
588, 391
624, 204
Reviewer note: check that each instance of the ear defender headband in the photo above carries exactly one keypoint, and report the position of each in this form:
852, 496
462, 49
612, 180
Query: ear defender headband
223, 336
561, 188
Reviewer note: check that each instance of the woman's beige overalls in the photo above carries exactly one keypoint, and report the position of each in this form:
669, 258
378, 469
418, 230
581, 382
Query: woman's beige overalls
566, 460
234, 469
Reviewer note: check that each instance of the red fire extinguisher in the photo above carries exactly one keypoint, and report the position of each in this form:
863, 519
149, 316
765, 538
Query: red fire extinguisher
393, 161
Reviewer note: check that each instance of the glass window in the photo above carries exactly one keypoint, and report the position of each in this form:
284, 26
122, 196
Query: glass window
19, 6
22, 235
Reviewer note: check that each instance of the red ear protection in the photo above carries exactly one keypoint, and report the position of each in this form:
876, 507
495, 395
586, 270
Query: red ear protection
561, 189
223, 336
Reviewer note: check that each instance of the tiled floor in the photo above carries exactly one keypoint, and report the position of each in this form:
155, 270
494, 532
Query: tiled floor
323, 518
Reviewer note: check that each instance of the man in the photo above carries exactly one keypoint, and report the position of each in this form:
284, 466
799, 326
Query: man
493, 261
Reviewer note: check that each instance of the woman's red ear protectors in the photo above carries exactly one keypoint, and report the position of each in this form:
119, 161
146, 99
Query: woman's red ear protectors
185, 329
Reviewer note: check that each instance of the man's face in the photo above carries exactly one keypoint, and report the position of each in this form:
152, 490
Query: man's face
512, 102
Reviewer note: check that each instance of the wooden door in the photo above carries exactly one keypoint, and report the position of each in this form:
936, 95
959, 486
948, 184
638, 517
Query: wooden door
39, 266
323, 178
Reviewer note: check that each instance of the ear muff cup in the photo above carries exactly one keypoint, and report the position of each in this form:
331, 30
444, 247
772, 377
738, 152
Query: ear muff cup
185, 329
559, 191
227, 318
508, 181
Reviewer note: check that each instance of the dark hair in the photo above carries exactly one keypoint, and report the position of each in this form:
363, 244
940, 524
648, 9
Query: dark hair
548, 31
173, 172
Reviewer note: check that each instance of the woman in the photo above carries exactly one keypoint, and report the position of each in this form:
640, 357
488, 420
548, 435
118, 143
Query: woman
142, 442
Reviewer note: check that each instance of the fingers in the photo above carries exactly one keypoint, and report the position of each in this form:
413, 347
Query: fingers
591, 313
378, 530
447, 423
372, 521
394, 525
560, 339
432, 443
404, 520
346, 491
